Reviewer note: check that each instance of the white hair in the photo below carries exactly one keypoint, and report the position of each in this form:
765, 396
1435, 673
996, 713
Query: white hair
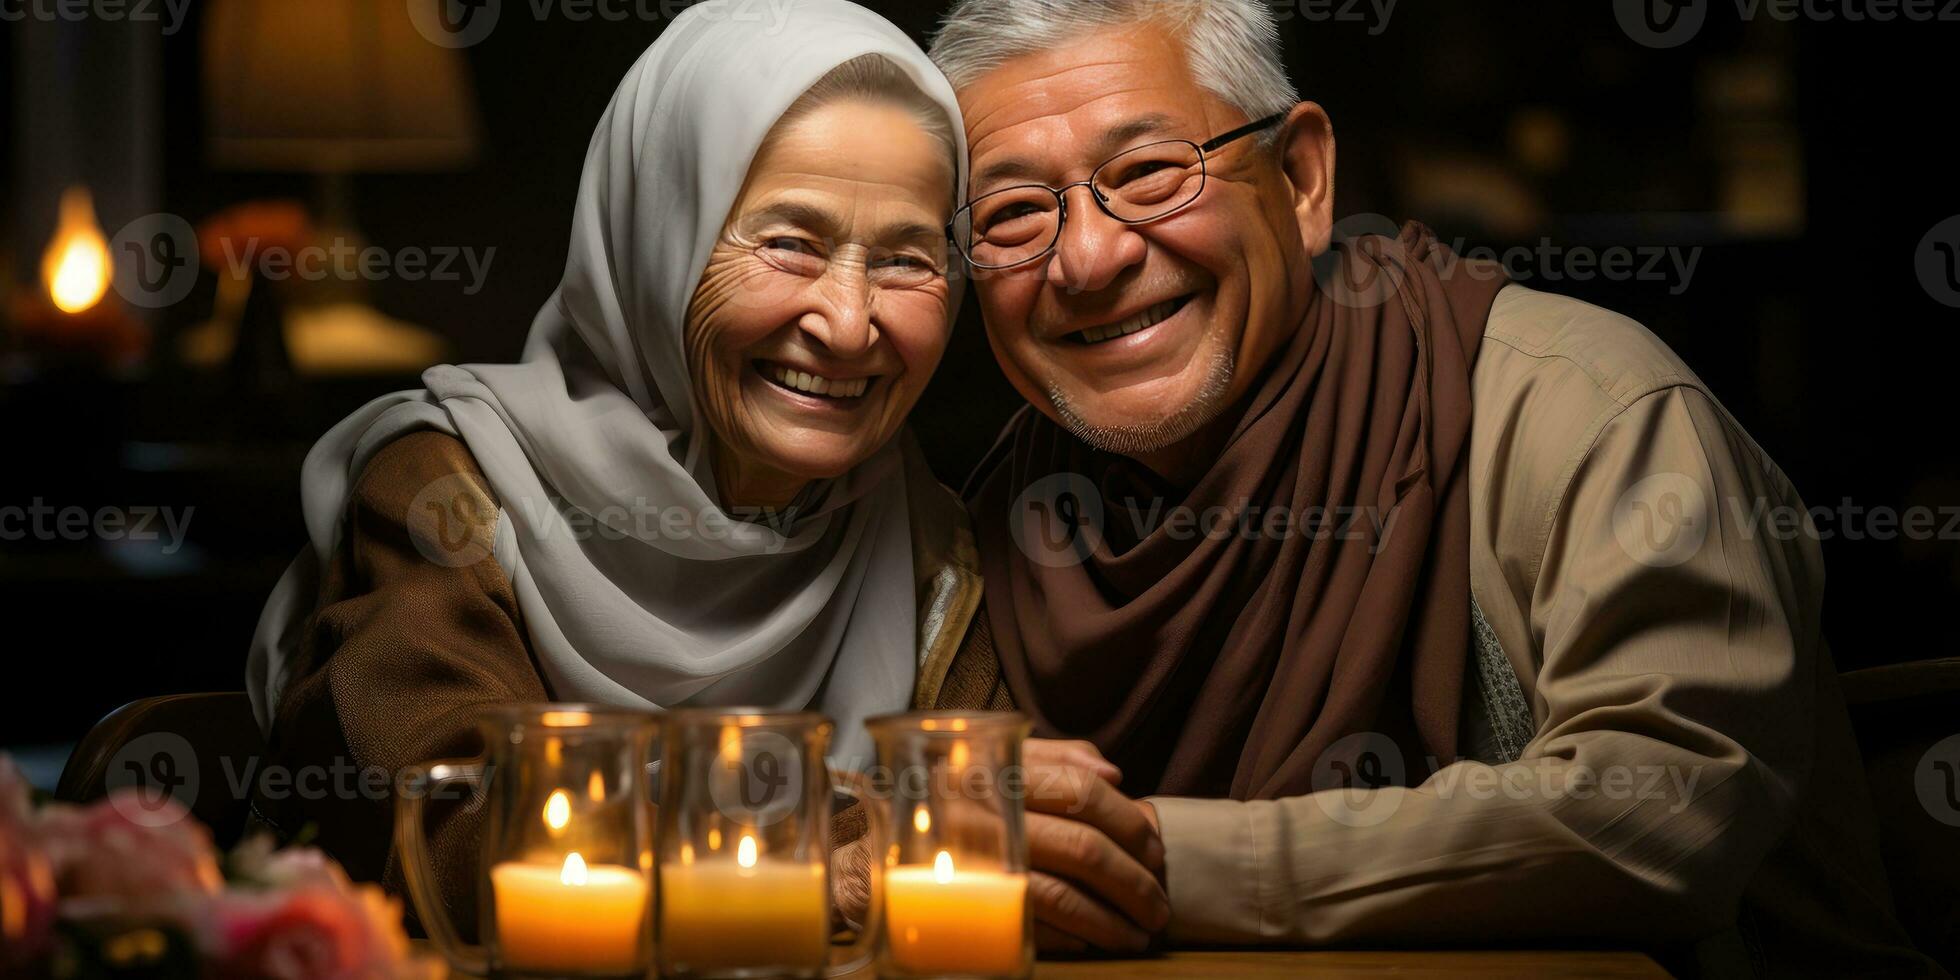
1232, 45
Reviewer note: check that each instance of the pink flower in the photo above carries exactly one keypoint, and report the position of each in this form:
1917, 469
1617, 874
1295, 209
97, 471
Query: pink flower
311, 922
27, 897
295, 917
307, 935
107, 863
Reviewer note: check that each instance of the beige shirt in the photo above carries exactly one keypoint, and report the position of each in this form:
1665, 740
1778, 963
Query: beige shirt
1691, 783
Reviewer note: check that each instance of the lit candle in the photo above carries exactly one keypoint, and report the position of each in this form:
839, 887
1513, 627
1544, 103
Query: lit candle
76, 264
939, 920
718, 916
570, 918
73, 312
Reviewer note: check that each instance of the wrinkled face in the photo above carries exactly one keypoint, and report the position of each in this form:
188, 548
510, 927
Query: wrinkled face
823, 308
1199, 301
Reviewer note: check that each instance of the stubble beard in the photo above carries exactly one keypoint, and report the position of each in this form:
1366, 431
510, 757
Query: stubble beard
1152, 435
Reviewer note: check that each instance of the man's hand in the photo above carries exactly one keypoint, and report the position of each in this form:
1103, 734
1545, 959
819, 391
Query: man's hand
1096, 881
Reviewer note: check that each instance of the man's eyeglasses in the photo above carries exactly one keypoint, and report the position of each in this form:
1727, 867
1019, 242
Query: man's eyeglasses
1017, 225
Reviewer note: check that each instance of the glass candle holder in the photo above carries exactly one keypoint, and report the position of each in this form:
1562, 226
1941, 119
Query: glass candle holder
563, 887
745, 846
956, 874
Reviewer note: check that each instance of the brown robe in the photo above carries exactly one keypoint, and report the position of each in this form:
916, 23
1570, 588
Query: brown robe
1690, 652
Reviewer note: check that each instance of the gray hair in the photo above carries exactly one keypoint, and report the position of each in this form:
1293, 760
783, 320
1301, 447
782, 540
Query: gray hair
874, 77
1233, 45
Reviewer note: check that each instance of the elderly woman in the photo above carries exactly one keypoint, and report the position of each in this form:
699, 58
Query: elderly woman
695, 487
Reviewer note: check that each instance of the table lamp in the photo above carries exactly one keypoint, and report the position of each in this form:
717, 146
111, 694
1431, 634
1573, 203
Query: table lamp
333, 89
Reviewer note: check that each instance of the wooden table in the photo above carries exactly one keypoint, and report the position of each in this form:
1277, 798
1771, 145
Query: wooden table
1341, 965
1337, 965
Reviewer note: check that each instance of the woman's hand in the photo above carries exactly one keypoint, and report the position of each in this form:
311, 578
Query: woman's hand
850, 881
1097, 861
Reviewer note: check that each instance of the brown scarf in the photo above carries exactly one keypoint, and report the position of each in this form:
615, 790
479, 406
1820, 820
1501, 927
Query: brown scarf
1217, 652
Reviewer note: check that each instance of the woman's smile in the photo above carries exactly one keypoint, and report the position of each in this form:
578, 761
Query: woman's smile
829, 385
829, 393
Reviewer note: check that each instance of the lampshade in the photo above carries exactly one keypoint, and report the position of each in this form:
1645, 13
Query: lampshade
332, 86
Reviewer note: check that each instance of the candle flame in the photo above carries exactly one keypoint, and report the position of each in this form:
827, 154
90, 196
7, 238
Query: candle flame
574, 873
942, 868
557, 810
921, 820
745, 852
75, 267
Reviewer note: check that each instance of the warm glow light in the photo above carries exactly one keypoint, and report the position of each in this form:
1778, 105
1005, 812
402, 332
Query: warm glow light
958, 754
574, 873
942, 868
921, 820
714, 838
596, 787
75, 267
557, 810
745, 852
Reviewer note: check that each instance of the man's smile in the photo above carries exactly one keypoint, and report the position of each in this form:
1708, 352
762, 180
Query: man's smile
1136, 322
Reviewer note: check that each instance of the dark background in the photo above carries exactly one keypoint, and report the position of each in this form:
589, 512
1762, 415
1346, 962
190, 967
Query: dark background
1498, 124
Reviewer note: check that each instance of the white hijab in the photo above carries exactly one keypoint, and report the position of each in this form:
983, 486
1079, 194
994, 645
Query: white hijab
598, 418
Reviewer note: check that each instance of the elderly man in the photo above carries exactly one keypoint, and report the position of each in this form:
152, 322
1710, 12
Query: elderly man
1413, 602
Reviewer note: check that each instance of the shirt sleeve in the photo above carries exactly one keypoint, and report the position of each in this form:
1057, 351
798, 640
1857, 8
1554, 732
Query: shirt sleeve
417, 630
1674, 650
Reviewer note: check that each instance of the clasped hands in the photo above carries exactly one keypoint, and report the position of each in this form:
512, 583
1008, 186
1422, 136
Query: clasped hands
1096, 860
1096, 876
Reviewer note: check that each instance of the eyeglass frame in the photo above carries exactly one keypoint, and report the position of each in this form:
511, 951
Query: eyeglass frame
1102, 203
